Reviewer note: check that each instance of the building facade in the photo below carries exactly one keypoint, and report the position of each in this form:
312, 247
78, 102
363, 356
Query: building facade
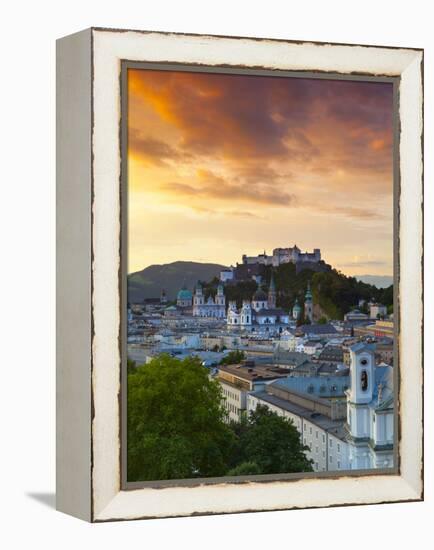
212, 307
370, 411
317, 409
283, 256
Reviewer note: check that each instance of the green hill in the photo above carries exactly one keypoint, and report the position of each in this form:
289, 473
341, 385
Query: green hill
334, 292
149, 282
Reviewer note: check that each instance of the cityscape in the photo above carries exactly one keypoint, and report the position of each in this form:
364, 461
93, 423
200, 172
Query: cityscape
260, 297
331, 378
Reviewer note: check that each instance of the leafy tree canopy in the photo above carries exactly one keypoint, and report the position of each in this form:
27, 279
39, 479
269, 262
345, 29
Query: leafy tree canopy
245, 469
233, 358
336, 293
269, 441
176, 423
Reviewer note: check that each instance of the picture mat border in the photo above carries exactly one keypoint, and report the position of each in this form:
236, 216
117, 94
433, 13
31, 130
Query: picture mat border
275, 73
105, 49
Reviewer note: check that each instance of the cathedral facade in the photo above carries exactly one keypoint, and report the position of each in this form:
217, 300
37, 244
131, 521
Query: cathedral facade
259, 314
215, 308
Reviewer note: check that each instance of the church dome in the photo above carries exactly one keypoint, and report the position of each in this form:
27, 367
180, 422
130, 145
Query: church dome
259, 296
184, 294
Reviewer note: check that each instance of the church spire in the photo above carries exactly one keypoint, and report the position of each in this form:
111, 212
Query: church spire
272, 293
308, 304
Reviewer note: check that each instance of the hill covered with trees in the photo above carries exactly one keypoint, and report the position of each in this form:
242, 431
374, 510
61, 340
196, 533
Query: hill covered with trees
334, 292
149, 282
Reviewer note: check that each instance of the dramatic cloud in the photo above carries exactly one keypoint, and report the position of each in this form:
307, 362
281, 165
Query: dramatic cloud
210, 185
246, 148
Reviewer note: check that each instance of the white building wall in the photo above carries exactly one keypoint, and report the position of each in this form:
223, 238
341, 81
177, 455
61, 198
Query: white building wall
234, 401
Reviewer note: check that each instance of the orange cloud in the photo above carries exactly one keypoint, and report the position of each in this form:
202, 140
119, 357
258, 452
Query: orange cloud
378, 144
237, 145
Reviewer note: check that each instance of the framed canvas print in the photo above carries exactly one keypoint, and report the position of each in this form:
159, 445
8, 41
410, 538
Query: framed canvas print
239, 267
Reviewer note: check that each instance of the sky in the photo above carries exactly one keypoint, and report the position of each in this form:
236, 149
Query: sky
225, 165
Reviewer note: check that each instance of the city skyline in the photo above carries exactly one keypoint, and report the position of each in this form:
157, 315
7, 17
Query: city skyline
221, 165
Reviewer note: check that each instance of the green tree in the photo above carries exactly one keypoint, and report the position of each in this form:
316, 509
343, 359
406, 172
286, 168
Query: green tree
322, 320
271, 442
233, 357
245, 469
175, 421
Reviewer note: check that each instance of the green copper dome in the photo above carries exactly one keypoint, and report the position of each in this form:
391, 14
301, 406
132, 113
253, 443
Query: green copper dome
184, 294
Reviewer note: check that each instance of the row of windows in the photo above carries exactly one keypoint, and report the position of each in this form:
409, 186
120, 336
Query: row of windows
316, 448
231, 394
231, 408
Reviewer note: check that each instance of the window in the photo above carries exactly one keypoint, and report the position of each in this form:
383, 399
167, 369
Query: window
364, 379
310, 430
330, 459
339, 465
331, 443
316, 449
316, 434
339, 448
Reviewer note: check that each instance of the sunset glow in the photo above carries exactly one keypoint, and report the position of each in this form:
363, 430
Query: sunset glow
221, 165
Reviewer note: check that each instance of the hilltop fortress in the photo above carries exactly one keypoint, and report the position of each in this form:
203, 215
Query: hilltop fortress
284, 256
252, 267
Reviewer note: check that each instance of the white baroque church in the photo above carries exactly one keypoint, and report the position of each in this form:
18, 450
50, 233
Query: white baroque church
370, 411
259, 314
211, 307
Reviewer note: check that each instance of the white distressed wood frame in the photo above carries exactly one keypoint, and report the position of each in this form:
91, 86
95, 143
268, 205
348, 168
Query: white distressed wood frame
88, 214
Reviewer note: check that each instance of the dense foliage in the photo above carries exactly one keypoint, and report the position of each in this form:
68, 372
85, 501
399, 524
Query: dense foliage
177, 428
233, 357
268, 443
337, 293
176, 423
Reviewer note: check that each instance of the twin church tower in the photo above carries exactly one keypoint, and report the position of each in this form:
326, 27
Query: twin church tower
216, 307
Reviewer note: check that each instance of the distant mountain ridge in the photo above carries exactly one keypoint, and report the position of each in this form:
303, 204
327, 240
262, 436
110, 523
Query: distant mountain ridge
149, 282
380, 281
